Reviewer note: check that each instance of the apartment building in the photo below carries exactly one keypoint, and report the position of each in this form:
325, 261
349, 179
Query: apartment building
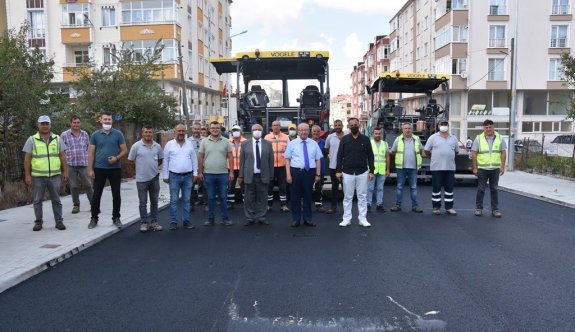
88, 33
436, 36
375, 61
340, 108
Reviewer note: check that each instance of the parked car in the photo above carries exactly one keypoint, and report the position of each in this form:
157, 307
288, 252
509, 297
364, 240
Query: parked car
529, 145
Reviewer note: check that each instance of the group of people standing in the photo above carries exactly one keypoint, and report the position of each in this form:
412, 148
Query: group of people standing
214, 165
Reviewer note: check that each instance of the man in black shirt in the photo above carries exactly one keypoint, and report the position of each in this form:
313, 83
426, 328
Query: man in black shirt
354, 157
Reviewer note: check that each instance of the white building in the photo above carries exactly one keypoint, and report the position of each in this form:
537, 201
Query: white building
436, 36
86, 33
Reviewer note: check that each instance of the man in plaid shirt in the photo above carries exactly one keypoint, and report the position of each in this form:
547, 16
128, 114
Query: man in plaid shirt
78, 142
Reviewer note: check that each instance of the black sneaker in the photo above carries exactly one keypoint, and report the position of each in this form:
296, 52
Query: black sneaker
380, 208
227, 222
93, 223
188, 225
37, 225
75, 209
117, 222
368, 208
209, 222
60, 226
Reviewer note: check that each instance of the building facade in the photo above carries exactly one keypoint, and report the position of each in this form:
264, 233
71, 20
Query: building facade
340, 109
375, 61
437, 37
88, 33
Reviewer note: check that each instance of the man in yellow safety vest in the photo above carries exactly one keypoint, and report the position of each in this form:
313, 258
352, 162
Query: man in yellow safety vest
407, 151
44, 167
489, 153
381, 162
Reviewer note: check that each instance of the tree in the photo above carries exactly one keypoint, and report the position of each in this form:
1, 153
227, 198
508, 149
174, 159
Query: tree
127, 89
568, 70
25, 75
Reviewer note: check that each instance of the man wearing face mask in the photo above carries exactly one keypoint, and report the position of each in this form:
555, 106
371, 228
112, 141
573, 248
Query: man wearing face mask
236, 143
292, 131
442, 147
107, 147
256, 171
355, 167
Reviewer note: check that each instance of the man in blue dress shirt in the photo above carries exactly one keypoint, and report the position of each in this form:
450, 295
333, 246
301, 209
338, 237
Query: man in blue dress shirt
303, 164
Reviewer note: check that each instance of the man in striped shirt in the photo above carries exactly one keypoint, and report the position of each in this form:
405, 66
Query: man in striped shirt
77, 141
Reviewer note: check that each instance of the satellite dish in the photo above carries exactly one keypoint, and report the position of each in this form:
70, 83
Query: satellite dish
463, 74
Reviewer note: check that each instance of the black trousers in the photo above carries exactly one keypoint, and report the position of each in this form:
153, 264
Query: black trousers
114, 175
445, 180
280, 177
484, 176
334, 188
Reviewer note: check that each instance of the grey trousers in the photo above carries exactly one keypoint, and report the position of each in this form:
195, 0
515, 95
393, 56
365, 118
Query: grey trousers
151, 188
39, 185
79, 175
255, 199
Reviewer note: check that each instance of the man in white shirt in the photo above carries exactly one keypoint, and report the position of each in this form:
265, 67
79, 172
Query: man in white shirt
180, 171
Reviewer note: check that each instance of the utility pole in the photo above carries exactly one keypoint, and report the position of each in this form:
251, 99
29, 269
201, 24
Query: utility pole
183, 79
513, 113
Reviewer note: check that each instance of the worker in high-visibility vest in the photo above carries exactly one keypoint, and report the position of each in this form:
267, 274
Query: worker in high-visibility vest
236, 141
489, 153
45, 167
279, 142
407, 154
381, 162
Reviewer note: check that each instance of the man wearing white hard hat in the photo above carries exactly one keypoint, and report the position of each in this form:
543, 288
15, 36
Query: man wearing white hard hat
44, 167
236, 140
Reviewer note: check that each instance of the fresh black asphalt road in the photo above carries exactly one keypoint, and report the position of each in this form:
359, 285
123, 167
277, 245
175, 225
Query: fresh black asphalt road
408, 272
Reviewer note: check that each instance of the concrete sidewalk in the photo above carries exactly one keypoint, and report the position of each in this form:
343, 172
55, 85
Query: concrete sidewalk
26, 253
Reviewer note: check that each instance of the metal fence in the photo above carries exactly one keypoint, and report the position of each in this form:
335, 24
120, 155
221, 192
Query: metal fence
11, 163
545, 157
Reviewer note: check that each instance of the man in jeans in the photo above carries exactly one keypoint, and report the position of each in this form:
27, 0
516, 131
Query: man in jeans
216, 170
147, 155
107, 147
331, 148
44, 161
489, 153
407, 154
180, 171
381, 163
78, 142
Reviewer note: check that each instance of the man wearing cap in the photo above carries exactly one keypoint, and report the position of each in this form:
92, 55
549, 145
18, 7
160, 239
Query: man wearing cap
107, 147
44, 167
442, 147
236, 144
279, 142
292, 131
303, 162
77, 143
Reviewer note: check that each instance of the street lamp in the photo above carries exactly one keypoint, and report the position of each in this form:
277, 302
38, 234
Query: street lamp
239, 33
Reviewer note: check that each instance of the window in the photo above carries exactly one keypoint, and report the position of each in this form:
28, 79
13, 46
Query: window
498, 7
496, 70
137, 12
559, 102
108, 16
75, 14
460, 33
555, 73
459, 4
140, 47
558, 36
109, 55
458, 66
560, 7
535, 103
200, 64
496, 36
443, 37
81, 58
37, 22
442, 65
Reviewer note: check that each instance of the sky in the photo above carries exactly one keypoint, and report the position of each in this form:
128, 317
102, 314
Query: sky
343, 27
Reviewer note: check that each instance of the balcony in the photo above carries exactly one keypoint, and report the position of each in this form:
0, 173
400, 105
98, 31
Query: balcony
497, 42
76, 35
558, 42
151, 31
73, 72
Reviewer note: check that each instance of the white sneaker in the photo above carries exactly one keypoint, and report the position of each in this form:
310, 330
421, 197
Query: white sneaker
143, 227
344, 223
364, 223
